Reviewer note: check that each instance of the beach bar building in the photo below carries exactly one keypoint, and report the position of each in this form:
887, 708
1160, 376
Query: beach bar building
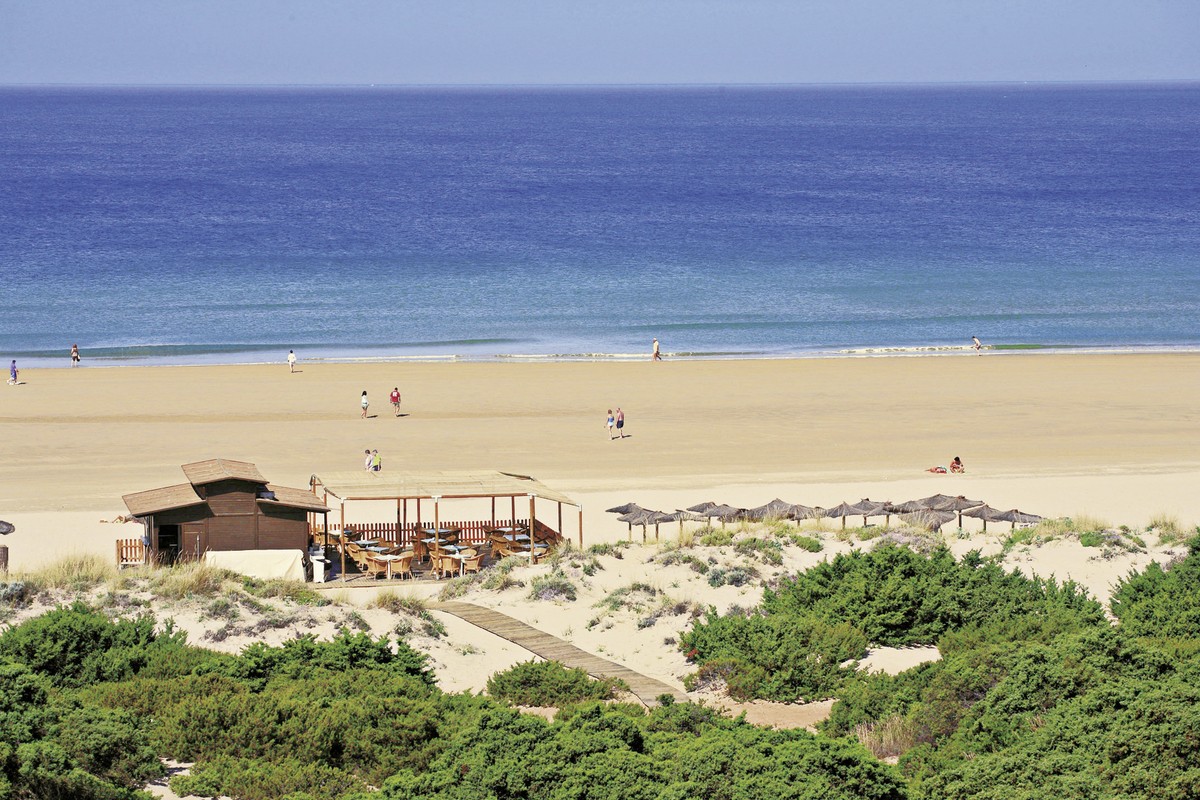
425, 502
224, 507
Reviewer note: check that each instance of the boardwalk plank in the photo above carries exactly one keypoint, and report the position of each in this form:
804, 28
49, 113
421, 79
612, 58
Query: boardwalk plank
552, 648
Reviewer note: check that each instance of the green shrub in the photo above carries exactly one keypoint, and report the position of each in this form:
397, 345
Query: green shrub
732, 576
716, 537
768, 549
1161, 603
555, 586
809, 543
549, 683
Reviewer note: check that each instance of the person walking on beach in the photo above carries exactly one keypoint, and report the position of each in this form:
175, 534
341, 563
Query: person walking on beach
620, 422
396, 400
365, 404
655, 355
608, 423
376, 461
74, 355
291, 360
978, 344
13, 373
368, 460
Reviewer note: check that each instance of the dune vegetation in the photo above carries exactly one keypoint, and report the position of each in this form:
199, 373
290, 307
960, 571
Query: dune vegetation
1040, 692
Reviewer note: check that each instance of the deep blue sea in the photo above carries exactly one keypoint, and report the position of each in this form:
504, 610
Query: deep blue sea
175, 225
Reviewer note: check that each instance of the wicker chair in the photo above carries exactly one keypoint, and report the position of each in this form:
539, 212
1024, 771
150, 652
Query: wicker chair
403, 567
375, 566
472, 563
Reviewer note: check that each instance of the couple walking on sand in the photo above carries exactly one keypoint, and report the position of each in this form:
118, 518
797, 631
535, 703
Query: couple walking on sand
372, 462
394, 397
615, 424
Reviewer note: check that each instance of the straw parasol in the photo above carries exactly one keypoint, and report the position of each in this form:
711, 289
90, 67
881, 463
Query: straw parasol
6, 527
776, 509
726, 513
1019, 518
798, 511
628, 508
985, 513
702, 508
930, 518
842, 510
635, 517
872, 508
908, 507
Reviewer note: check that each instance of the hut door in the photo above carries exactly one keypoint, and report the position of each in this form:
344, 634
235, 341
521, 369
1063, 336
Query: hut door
192, 541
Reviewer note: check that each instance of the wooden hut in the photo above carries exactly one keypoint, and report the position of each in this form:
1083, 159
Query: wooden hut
224, 506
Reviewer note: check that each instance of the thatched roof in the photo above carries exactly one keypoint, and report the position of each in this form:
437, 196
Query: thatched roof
702, 508
1019, 517
842, 509
871, 508
625, 509
908, 507
776, 509
636, 517
945, 502
986, 513
930, 518
798, 511
363, 485
221, 469
726, 513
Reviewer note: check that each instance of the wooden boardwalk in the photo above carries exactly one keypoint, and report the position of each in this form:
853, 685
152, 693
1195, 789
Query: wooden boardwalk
552, 648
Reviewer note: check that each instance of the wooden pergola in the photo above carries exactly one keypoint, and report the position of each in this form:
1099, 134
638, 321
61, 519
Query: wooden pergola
403, 487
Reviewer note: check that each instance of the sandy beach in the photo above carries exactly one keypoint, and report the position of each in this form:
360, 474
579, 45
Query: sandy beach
1115, 436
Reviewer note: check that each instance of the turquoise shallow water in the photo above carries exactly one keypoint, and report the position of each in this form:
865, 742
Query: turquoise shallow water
189, 225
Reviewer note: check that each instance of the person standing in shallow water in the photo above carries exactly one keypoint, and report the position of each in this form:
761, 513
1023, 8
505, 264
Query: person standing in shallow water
655, 355
977, 344
365, 404
74, 355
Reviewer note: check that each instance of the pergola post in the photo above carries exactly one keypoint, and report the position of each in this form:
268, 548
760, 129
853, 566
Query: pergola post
514, 510
343, 540
493, 511
532, 513
581, 527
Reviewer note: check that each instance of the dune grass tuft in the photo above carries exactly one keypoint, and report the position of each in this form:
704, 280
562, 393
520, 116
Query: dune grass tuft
192, 579
1168, 529
75, 573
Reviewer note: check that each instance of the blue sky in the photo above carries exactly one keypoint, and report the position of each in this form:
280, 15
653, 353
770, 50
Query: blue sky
595, 41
